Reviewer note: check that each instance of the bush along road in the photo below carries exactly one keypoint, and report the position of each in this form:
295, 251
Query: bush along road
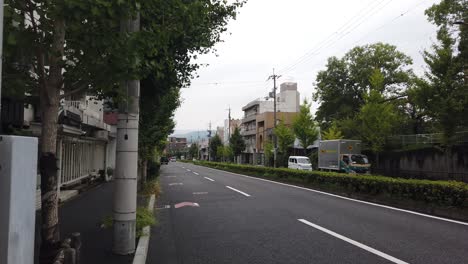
442, 198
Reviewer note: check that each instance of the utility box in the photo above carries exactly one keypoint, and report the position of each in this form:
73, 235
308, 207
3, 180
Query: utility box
18, 176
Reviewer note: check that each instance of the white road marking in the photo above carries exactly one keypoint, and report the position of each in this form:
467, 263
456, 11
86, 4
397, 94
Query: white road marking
209, 179
355, 243
175, 183
196, 173
199, 193
183, 167
170, 176
241, 192
347, 198
164, 207
188, 170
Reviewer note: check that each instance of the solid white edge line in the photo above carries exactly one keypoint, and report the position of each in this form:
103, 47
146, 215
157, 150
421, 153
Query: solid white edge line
209, 179
347, 198
355, 243
196, 173
241, 192
141, 251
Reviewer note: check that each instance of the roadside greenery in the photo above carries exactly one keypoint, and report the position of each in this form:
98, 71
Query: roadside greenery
441, 193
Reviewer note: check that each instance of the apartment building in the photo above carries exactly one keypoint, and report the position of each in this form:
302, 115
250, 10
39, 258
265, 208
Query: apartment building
258, 122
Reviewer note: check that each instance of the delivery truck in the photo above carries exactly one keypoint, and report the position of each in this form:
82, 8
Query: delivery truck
342, 155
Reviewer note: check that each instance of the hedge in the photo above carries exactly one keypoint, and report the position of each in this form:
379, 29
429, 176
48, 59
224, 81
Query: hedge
445, 193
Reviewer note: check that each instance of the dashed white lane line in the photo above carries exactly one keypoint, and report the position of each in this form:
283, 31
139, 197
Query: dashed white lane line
195, 173
241, 192
175, 183
183, 167
209, 179
200, 193
170, 176
346, 198
188, 170
353, 242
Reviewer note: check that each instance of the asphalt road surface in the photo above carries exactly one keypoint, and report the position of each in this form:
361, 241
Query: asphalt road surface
210, 216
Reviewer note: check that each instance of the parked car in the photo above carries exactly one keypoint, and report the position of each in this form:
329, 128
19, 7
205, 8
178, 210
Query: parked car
299, 163
164, 160
173, 159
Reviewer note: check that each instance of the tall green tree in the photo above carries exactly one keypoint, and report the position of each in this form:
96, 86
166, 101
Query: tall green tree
237, 143
304, 126
215, 143
341, 87
333, 132
285, 137
269, 152
193, 151
445, 93
376, 119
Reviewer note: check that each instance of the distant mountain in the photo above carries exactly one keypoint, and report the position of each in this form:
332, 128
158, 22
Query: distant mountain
192, 136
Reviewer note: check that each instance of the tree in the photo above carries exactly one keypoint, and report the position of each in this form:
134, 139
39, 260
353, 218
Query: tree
220, 153
269, 152
341, 87
227, 153
304, 126
236, 142
193, 151
285, 137
215, 143
376, 119
332, 132
445, 93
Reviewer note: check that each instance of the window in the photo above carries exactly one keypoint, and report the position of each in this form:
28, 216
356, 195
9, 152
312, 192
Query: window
346, 159
359, 159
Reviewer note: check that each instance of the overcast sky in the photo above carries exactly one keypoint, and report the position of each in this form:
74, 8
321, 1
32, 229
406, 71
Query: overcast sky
295, 37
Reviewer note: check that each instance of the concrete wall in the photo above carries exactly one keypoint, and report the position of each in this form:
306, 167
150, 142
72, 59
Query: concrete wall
430, 163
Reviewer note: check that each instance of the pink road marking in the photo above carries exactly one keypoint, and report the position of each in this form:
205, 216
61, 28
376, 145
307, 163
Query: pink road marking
179, 205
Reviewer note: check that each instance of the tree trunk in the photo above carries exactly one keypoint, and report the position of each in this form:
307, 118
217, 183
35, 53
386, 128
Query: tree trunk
49, 102
144, 172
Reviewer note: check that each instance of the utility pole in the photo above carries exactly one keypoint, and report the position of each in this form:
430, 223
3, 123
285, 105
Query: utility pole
1, 56
126, 169
229, 124
209, 141
273, 94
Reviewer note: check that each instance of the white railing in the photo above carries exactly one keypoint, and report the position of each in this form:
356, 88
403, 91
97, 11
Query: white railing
80, 159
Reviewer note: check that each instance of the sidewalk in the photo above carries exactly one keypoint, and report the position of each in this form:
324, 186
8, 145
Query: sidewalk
84, 214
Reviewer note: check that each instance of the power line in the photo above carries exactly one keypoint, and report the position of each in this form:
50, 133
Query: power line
339, 35
386, 23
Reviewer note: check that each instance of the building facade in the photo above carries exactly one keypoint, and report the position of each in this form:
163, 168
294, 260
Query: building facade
258, 122
176, 145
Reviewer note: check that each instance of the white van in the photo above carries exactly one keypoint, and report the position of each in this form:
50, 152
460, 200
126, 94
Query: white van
299, 163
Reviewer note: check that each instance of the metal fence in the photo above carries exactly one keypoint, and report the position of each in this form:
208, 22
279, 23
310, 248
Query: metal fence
80, 159
426, 139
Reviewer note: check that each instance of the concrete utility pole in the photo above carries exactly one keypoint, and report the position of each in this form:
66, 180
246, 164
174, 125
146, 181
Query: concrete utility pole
126, 169
209, 141
273, 94
229, 124
1, 56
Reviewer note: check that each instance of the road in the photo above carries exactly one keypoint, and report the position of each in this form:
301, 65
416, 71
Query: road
210, 216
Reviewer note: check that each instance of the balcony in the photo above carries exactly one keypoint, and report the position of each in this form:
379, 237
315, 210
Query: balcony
90, 112
249, 118
248, 132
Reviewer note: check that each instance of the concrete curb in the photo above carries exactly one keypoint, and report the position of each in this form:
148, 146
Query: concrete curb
143, 243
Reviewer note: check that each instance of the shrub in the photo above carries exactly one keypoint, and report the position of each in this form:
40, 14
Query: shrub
446, 193
151, 187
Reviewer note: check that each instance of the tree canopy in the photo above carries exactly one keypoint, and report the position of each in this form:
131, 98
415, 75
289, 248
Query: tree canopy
341, 87
236, 142
304, 126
